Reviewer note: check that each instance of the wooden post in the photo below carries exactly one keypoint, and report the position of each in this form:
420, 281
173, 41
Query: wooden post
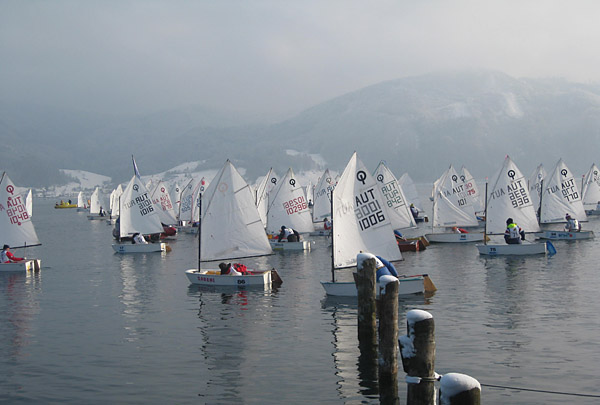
388, 338
459, 389
417, 348
367, 304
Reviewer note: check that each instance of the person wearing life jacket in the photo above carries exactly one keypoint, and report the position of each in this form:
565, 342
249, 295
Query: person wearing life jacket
291, 235
573, 225
456, 229
514, 234
384, 268
138, 239
414, 211
326, 224
7, 257
235, 269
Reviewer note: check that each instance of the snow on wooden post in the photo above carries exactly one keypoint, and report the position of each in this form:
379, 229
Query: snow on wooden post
388, 338
367, 304
459, 389
417, 348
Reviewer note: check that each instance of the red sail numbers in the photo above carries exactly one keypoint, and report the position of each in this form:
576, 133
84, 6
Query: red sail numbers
15, 210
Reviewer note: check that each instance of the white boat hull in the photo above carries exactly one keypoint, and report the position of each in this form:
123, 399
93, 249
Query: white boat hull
564, 235
592, 212
526, 248
451, 237
407, 286
214, 278
301, 245
139, 248
322, 232
92, 217
25, 265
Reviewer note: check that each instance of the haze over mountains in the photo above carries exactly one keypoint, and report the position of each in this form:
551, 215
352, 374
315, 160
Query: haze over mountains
418, 125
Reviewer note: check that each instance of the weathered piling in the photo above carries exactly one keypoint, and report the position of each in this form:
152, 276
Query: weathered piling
367, 305
388, 338
459, 389
417, 348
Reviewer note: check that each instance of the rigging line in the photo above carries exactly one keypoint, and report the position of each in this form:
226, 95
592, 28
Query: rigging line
542, 391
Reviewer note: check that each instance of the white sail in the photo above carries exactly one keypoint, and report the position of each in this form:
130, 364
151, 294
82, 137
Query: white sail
265, 186
80, 200
231, 226
162, 202
29, 203
113, 202
508, 197
535, 185
175, 193
186, 201
360, 218
96, 201
16, 227
472, 190
137, 213
591, 188
199, 189
451, 203
410, 191
398, 208
116, 209
288, 207
561, 196
322, 197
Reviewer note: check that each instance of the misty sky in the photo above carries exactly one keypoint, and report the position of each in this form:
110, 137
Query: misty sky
275, 57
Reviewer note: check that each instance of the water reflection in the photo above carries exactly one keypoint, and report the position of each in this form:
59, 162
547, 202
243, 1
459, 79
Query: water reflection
18, 300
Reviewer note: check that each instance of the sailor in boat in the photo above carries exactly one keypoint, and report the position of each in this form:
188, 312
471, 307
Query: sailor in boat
326, 224
384, 268
456, 229
514, 234
6, 256
237, 269
573, 225
310, 204
101, 212
291, 235
138, 239
414, 211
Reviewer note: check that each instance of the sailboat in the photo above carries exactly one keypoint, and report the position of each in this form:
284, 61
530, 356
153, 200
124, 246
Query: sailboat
81, 206
137, 214
508, 197
535, 185
29, 203
16, 227
263, 190
561, 195
471, 189
96, 205
412, 195
322, 203
452, 208
591, 191
361, 224
289, 208
230, 228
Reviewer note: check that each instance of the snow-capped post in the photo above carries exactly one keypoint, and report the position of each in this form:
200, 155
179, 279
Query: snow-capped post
388, 338
459, 389
367, 305
417, 348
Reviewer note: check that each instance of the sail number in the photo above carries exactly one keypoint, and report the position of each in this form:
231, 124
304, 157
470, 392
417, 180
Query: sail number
295, 205
368, 210
16, 211
392, 195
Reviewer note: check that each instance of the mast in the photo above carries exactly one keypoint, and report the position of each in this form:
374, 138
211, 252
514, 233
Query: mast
540, 207
486, 215
332, 247
199, 229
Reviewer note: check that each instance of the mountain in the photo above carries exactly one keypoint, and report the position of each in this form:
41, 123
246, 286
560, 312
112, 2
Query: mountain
416, 124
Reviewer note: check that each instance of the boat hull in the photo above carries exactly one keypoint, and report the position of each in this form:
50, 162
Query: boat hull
139, 248
214, 278
59, 206
564, 235
25, 265
92, 217
322, 232
512, 250
451, 237
301, 245
411, 246
407, 286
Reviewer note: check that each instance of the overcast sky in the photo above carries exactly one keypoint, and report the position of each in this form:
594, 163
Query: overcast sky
273, 57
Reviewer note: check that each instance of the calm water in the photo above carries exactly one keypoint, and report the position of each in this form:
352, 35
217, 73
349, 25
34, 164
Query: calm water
96, 327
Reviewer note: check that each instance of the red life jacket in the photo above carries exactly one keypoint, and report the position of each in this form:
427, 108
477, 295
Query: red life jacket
240, 267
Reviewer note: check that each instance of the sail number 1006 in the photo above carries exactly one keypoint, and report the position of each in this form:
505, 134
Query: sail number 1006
369, 214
